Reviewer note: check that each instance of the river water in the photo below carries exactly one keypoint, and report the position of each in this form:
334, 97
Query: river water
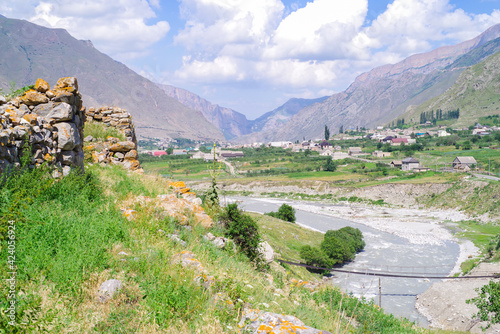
384, 252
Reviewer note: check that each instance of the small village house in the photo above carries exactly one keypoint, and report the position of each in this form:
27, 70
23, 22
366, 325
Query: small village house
464, 164
355, 151
409, 164
396, 163
380, 154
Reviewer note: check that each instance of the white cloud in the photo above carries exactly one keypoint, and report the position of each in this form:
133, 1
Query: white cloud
118, 28
324, 44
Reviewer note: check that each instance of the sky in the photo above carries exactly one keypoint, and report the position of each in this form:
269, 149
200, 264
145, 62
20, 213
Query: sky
254, 55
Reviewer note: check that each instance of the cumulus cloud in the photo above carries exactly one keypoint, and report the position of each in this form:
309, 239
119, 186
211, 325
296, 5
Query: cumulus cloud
118, 28
324, 44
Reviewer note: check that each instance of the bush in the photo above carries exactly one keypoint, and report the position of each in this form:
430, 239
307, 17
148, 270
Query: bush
338, 246
243, 230
285, 212
487, 303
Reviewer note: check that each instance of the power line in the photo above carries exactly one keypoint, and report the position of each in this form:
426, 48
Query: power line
380, 274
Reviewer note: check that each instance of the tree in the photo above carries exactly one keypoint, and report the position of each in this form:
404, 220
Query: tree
327, 133
488, 303
285, 212
330, 166
341, 130
169, 150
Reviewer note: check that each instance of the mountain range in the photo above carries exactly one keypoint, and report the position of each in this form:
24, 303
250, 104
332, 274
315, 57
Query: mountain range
384, 93
30, 51
375, 98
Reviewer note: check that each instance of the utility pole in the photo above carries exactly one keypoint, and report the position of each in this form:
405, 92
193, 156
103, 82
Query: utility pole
379, 293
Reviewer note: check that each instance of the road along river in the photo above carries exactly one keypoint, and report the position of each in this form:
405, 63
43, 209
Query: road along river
398, 241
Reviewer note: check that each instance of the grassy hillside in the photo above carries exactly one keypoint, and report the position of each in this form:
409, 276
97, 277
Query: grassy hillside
70, 236
476, 94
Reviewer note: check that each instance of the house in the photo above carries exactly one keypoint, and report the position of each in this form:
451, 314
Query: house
324, 144
396, 163
380, 154
158, 153
421, 169
327, 152
231, 154
443, 133
179, 152
354, 151
398, 141
409, 164
467, 161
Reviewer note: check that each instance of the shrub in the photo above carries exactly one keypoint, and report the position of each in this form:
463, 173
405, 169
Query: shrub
487, 303
338, 246
285, 212
243, 230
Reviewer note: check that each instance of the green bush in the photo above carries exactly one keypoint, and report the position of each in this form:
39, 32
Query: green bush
487, 303
285, 212
338, 246
243, 230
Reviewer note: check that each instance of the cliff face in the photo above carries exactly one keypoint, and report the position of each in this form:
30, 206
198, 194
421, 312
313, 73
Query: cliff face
30, 51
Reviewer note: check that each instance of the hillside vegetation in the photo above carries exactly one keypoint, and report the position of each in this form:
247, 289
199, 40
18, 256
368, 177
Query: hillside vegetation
476, 94
71, 236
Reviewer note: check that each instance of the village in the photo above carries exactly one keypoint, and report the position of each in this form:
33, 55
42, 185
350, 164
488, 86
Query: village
381, 145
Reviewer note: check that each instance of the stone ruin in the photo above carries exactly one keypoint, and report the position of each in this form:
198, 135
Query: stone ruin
52, 121
113, 150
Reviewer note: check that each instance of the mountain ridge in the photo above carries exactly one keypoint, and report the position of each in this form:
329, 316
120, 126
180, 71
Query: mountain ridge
383, 94
34, 51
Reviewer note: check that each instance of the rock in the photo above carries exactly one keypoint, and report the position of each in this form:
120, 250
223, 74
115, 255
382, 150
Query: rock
123, 146
44, 109
209, 236
88, 138
131, 164
266, 251
41, 85
119, 155
3, 100
129, 214
67, 157
267, 322
61, 112
123, 253
69, 84
108, 289
131, 155
33, 98
219, 242
175, 238
68, 136
60, 95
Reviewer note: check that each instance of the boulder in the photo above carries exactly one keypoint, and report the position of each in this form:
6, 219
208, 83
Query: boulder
131, 155
123, 146
69, 84
67, 157
61, 112
68, 136
266, 251
33, 98
108, 289
41, 86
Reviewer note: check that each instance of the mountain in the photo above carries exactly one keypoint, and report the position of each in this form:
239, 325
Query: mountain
384, 93
235, 125
281, 115
230, 122
30, 51
476, 93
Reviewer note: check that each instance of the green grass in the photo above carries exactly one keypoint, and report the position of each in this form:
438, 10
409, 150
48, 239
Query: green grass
101, 132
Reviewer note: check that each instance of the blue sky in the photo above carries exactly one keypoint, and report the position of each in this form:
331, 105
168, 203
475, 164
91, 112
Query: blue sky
253, 56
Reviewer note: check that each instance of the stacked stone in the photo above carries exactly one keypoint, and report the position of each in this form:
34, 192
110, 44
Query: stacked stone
52, 122
114, 151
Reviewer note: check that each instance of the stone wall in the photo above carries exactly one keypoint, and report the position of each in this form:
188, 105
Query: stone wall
52, 122
113, 150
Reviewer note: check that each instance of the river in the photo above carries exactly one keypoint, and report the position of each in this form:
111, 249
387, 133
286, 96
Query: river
384, 252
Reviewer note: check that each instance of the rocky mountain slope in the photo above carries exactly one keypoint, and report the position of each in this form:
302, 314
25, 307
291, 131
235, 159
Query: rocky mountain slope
30, 51
384, 93
476, 93
230, 122
234, 124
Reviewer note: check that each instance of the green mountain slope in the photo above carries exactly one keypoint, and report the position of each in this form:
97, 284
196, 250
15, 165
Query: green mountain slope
476, 93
